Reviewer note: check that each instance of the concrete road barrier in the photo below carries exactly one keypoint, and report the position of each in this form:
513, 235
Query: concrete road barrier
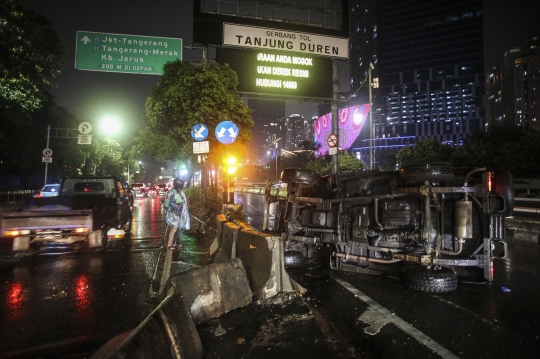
168, 332
261, 254
212, 290
522, 230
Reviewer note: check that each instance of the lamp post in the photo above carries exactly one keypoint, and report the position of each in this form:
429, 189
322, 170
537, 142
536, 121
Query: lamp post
373, 83
371, 67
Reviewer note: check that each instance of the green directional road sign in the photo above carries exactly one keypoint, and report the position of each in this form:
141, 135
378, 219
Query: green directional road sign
125, 53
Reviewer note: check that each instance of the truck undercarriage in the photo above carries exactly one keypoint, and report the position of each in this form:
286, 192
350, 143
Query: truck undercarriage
430, 222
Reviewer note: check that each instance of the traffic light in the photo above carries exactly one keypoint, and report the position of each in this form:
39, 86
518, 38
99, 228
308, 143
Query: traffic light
231, 165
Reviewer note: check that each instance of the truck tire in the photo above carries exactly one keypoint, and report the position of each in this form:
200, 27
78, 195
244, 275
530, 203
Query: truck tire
294, 259
437, 171
503, 185
301, 176
440, 280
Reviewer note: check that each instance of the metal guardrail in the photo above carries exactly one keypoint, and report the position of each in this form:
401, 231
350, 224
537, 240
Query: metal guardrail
17, 196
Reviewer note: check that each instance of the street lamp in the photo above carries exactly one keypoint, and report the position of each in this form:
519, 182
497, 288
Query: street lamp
230, 168
109, 125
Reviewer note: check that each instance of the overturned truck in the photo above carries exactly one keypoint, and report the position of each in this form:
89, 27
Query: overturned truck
431, 223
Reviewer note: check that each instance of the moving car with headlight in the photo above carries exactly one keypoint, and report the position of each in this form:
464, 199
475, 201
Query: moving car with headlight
139, 190
430, 223
88, 209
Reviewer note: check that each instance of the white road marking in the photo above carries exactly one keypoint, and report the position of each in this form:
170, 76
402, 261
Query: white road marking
467, 311
397, 321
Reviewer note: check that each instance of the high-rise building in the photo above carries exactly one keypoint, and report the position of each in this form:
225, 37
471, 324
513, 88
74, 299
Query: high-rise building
514, 89
297, 130
269, 125
428, 57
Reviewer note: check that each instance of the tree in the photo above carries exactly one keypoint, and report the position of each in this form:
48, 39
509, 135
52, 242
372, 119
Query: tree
32, 53
426, 151
188, 95
321, 165
504, 146
349, 163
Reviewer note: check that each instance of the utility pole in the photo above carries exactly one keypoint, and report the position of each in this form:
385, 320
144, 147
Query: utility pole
334, 109
371, 67
47, 163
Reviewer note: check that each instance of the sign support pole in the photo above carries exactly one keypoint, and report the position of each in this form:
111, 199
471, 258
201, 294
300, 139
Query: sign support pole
335, 119
47, 163
370, 119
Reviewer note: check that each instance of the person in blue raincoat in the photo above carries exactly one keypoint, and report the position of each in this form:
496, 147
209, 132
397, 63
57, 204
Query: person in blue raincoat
177, 214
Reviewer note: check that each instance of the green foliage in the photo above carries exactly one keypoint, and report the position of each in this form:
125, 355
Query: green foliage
187, 95
32, 53
206, 207
503, 146
108, 158
426, 151
320, 165
349, 163
158, 145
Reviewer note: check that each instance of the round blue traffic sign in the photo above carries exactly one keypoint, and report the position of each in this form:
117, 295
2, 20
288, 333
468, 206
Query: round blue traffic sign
199, 132
226, 132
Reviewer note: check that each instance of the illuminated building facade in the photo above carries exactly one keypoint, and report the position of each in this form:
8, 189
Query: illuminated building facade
297, 130
269, 122
513, 89
428, 57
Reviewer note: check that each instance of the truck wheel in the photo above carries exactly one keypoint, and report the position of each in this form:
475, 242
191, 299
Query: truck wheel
503, 185
435, 280
437, 172
294, 259
300, 175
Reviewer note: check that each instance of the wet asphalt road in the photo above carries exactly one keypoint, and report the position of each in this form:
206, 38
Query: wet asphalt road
88, 297
475, 321
82, 297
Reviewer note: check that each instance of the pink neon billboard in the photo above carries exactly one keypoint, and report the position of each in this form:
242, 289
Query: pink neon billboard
351, 122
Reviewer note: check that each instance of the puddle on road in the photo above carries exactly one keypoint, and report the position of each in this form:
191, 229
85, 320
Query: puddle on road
375, 319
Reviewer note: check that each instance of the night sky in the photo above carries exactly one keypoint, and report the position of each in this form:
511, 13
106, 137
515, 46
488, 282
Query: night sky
90, 95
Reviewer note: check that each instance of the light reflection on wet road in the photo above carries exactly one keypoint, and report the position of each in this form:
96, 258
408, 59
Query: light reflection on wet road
65, 294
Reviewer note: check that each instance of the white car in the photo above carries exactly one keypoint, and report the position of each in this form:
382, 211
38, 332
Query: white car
49, 190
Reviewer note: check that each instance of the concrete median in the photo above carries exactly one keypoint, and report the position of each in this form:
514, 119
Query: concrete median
212, 290
523, 230
261, 254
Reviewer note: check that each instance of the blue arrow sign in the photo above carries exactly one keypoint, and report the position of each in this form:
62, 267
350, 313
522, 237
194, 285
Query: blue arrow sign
226, 132
199, 132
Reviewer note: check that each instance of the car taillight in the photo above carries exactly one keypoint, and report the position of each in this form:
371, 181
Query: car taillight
489, 181
81, 230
